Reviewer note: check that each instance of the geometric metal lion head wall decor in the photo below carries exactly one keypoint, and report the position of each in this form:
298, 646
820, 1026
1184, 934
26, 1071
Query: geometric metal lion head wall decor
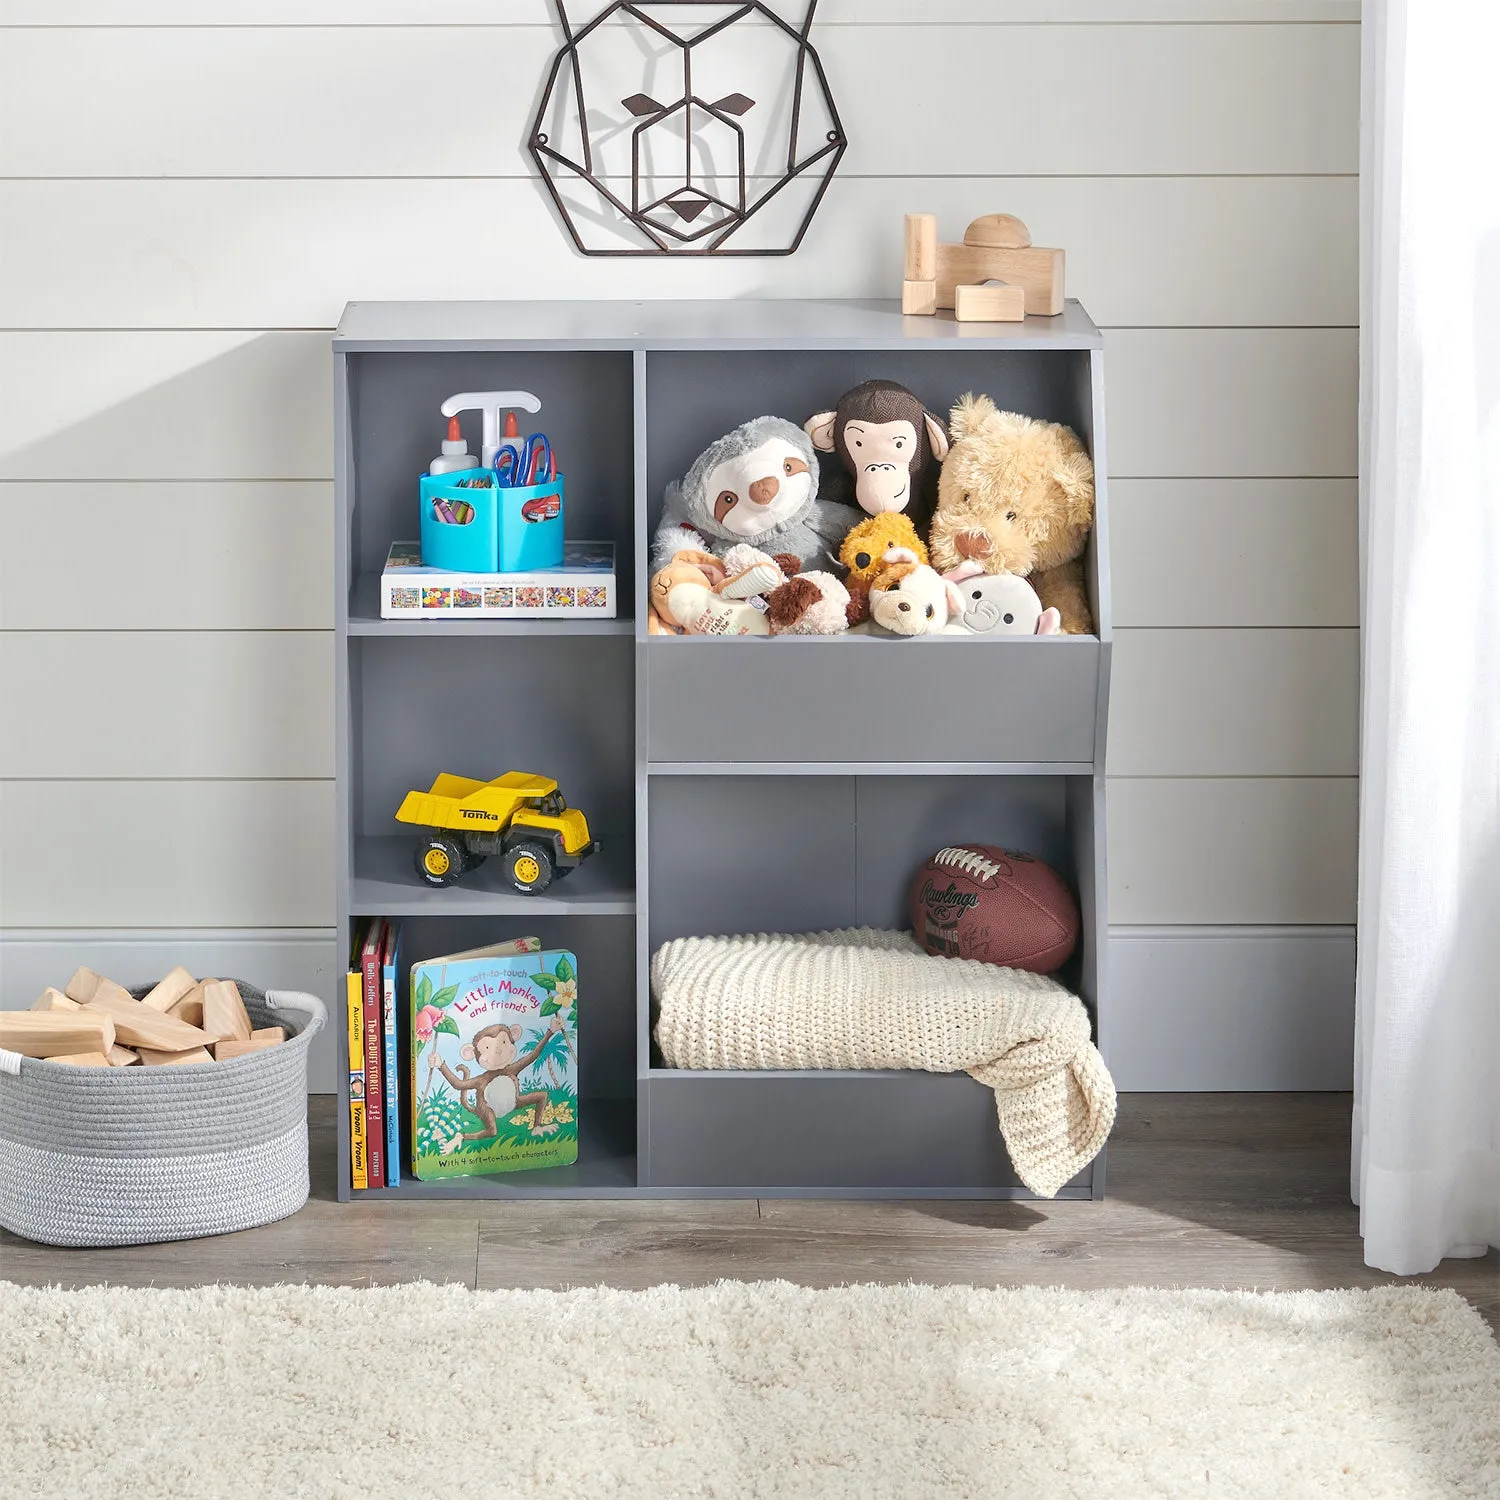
687, 127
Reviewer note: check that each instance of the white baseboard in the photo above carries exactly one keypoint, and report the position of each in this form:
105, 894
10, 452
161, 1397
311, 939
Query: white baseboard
1192, 1008
1234, 1009
300, 958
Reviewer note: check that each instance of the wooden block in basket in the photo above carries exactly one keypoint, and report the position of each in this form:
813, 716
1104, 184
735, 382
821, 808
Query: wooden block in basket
138, 1025
171, 989
153, 1059
225, 1018
46, 1033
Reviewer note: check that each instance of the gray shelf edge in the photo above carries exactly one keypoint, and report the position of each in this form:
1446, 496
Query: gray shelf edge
872, 768
495, 1191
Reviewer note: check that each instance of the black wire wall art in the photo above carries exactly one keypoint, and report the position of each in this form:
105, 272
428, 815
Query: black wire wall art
687, 127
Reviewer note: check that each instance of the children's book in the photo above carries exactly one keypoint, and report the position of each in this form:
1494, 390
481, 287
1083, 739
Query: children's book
374, 1024
581, 587
389, 959
359, 1176
495, 1060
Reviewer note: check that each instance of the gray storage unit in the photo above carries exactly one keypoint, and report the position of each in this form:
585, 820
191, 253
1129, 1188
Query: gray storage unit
759, 785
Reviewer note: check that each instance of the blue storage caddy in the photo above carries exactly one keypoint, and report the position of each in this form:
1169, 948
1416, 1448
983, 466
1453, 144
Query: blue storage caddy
511, 530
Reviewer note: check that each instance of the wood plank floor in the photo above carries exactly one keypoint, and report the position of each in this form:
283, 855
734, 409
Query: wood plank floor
1205, 1190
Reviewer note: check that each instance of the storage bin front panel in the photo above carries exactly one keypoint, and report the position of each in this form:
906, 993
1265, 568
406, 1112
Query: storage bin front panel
863, 699
905, 1134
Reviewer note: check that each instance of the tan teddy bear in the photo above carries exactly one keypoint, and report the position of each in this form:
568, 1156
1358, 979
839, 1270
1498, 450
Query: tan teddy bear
1017, 496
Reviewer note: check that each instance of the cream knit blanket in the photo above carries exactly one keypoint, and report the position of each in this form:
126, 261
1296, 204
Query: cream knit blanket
862, 998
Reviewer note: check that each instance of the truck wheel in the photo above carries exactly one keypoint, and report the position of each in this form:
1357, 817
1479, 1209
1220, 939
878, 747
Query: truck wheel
439, 860
529, 867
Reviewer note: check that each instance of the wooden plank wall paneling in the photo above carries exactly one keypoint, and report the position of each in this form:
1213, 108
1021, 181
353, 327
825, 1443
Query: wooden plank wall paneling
176, 245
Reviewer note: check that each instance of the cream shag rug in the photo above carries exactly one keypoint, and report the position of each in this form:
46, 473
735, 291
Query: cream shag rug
745, 1390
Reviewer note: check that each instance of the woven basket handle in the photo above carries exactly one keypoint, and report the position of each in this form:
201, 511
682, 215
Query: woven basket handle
296, 1000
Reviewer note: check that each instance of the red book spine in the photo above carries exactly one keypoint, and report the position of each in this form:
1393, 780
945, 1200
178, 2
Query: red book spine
374, 1073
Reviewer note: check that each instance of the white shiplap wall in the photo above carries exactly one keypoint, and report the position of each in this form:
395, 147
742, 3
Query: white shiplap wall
177, 242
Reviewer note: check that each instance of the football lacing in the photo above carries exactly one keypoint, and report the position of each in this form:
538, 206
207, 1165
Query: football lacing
970, 861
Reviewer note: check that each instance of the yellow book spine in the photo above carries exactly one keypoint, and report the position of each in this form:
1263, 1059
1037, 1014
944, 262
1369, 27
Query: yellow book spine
358, 1164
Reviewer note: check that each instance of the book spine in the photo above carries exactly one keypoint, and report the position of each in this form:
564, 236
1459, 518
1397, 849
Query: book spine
374, 1073
392, 1100
358, 1162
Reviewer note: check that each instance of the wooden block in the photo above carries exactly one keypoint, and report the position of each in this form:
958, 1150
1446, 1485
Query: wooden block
919, 298
1038, 271
190, 1007
995, 302
153, 1059
274, 1033
85, 986
138, 1025
920, 263
998, 232
166, 994
83, 1059
122, 1057
223, 1051
51, 999
48, 1033
225, 1018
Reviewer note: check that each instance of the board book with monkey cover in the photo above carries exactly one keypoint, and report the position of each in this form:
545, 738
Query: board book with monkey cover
494, 1052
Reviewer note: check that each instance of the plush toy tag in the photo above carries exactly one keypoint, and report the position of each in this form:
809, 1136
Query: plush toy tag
758, 601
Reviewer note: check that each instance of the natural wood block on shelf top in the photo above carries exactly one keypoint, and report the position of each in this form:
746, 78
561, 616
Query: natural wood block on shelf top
920, 260
154, 1059
224, 1015
171, 989
1037, 270
999, 303
82, 1059
918, 298
46, 1033
138, 1025
51, 999
998, 232
86, 986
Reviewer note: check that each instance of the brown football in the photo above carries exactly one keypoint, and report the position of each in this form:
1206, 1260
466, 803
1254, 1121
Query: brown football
1003, 906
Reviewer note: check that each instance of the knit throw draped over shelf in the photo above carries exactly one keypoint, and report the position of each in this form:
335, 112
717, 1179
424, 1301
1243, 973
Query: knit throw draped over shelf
863, 998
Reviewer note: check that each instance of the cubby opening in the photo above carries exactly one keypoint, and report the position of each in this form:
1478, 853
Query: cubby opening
396, 430
605, 947
561, 706
694, 396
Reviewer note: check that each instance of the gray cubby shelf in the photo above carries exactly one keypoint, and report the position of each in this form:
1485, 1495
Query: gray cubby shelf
787, 784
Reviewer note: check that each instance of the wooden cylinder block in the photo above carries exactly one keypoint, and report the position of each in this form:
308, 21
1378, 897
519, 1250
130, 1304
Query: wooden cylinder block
921, 247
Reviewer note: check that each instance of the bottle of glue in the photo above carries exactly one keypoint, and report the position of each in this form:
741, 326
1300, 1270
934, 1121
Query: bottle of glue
455, 454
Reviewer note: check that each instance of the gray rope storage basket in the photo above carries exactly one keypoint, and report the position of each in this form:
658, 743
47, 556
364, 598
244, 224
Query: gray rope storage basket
134, 1156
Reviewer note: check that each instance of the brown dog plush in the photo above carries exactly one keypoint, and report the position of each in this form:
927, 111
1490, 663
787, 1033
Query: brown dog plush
1017, 496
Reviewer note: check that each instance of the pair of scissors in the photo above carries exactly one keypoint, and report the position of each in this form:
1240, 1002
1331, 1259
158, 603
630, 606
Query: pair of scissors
532, 465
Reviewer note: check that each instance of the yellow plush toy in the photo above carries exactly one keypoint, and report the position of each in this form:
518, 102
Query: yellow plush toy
864, 553
1016, 496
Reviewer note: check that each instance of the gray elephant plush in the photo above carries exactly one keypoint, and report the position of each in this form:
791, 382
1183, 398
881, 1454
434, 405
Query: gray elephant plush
757, 484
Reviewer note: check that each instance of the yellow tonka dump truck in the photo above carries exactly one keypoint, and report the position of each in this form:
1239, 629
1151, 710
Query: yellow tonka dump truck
518, 815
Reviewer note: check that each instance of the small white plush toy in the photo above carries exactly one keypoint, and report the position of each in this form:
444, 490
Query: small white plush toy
1002, 604
909, 598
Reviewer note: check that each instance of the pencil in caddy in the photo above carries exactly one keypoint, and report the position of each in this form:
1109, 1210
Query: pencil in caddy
504, 516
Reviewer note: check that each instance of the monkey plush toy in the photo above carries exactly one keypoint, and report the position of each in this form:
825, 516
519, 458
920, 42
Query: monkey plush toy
889, 448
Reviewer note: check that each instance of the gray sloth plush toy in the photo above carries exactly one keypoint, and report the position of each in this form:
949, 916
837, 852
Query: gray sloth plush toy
757, 484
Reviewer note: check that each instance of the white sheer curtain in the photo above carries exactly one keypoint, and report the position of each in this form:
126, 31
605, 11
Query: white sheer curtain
1426, 1168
